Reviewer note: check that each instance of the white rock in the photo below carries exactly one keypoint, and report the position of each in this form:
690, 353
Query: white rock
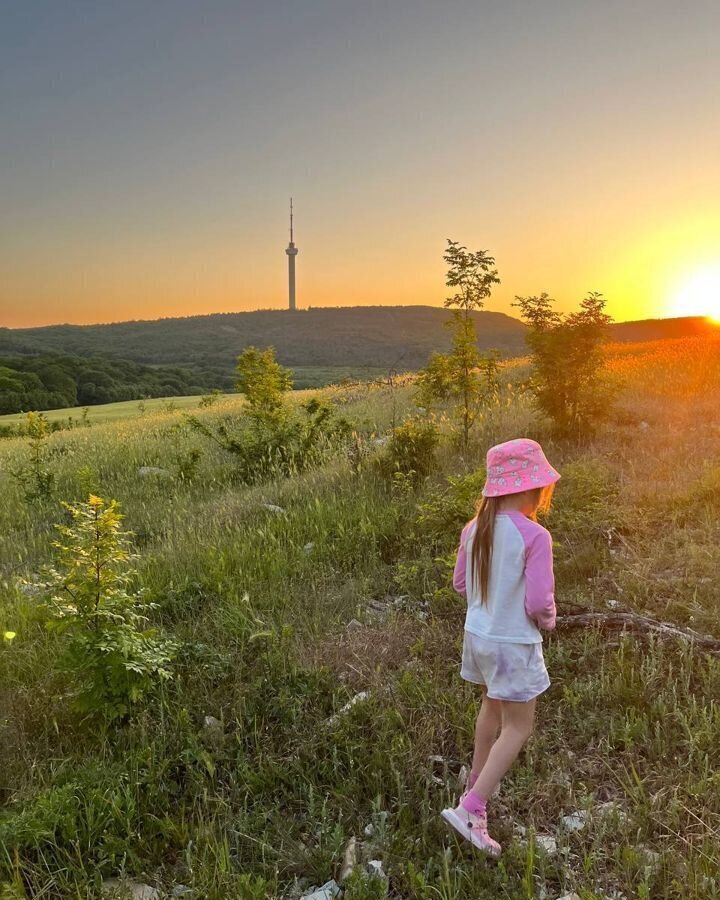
353, 625
126, 887
612, 810
572, 896
369, 830
180, 890
613, 604
273, 508
212, 724
375, 868
329, 890
547, 844
148, 471
575, 821
349, 860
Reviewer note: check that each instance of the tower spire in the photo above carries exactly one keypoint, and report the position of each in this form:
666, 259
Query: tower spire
292, 252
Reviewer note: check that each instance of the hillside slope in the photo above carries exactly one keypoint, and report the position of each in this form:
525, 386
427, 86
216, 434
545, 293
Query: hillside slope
379, 336
354, 336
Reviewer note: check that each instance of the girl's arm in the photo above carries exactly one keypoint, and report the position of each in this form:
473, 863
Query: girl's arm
540, 581
460, 565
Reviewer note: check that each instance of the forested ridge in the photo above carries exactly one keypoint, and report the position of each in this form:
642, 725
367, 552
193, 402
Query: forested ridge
352, 336
69, 365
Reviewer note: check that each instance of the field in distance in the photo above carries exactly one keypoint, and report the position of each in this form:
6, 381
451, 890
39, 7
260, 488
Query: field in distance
305, 377
112, 412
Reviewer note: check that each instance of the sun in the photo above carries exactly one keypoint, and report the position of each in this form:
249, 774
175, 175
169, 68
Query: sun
699, 294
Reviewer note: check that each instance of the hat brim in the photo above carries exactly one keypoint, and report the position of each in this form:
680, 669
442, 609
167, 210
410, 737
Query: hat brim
548, 479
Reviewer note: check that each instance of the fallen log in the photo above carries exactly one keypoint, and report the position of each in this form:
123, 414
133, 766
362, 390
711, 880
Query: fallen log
625, 621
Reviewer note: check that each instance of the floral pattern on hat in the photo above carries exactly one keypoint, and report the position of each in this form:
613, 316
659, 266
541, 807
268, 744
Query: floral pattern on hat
516, 466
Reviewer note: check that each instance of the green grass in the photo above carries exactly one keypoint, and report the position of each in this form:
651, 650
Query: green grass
260, 600
111, 412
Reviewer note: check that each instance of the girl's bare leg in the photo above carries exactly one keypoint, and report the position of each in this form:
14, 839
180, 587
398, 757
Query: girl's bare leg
487, 726
517, 726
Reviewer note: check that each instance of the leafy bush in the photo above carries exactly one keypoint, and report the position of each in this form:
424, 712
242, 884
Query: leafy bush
569, 380
445, 511
433, 540
35, 477
273, 439
281, 444
263, 381
410, 451
114, 660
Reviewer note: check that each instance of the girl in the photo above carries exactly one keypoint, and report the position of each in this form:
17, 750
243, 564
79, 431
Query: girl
504, 568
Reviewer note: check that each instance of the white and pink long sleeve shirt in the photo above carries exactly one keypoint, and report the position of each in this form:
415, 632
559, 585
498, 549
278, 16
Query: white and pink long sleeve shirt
521, 587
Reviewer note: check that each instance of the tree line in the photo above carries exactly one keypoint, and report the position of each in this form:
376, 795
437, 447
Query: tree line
58, 381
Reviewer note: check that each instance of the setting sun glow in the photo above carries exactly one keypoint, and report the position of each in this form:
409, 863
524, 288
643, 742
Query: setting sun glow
699, 294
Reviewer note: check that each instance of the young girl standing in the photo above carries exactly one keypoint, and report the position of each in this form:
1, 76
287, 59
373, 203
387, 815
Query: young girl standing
504, 568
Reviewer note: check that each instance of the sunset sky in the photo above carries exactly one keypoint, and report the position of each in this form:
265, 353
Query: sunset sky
148, 150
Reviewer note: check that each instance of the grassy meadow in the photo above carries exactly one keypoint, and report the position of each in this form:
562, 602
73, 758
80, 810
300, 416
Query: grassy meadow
292, 597
109, 412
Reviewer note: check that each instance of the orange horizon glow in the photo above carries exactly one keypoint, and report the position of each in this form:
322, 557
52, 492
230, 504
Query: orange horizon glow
146, 175
643, 275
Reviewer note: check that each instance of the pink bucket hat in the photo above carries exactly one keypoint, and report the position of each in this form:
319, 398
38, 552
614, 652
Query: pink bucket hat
516, 466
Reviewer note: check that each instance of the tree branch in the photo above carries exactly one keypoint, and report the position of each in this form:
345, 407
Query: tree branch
625, 621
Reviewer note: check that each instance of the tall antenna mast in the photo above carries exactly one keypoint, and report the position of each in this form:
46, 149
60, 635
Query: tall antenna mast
292, 252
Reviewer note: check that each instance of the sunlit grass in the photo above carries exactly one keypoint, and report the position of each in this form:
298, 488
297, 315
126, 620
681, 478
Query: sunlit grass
261, 599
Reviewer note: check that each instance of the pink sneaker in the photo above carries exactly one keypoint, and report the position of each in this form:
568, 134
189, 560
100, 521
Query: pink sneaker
473, 828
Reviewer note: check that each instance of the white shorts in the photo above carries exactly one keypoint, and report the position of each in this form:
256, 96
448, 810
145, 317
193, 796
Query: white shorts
509, 671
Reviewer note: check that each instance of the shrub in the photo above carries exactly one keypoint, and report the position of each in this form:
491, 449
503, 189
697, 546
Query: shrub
445, 511
113, 658
35, 478
284, 444
410, 450
569, 381
263, 381
208, 400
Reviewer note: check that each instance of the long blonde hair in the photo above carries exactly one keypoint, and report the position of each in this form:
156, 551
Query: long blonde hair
481, 558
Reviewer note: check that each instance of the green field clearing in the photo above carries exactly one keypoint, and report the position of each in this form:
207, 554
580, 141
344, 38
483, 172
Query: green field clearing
112, 412
305, 377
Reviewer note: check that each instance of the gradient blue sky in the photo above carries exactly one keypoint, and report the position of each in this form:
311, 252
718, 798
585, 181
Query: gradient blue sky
147, 151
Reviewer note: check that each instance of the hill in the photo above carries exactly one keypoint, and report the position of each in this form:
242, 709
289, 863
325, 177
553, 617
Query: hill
381, 336
359, 336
